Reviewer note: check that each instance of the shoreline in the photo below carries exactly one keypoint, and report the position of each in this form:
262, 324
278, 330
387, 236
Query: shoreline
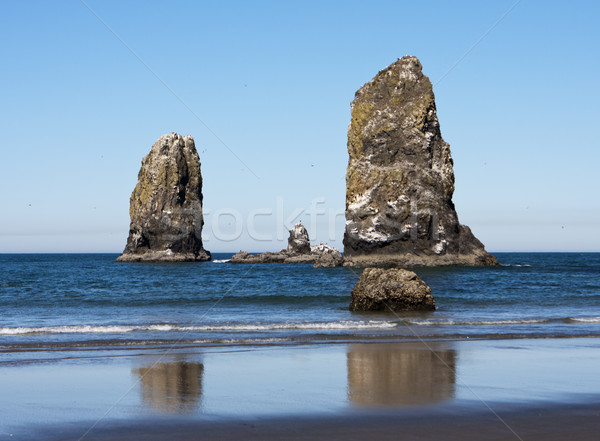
126, 348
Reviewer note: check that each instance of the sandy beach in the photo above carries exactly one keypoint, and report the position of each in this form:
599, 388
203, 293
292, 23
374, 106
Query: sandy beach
526, 389
575, 422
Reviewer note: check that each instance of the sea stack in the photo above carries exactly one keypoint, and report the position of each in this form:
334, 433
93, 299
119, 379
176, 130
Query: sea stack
166, 205
400, 181
298, 242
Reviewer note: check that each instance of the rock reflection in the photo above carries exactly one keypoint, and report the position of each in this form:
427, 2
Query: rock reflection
173, 387
400, 375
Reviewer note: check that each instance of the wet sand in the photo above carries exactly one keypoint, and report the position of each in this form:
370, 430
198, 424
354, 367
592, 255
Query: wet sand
548, 423
542, 389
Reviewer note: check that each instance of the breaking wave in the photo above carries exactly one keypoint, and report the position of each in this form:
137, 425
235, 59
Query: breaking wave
123, 329
567, 320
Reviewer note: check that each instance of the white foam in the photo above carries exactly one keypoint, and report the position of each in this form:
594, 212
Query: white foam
479, 322
221, 260
159, 328
81, 329
586, 319
371, 324
114, 329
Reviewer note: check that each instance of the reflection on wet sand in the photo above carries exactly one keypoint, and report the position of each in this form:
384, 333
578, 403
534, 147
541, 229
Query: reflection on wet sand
400, 375
171, 387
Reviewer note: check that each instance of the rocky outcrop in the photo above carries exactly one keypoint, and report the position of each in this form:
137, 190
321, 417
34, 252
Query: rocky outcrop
166, 205
298, 250
400, 180
298, 242
327, 256
392, 289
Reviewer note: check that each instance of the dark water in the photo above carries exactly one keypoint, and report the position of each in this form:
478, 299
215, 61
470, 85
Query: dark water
88, 301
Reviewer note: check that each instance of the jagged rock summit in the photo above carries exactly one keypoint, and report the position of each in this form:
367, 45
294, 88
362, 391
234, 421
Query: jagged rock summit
166, 205
298, 242
298, 250
400, 181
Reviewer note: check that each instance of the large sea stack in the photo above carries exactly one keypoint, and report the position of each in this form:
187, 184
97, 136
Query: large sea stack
166, 205
400, 181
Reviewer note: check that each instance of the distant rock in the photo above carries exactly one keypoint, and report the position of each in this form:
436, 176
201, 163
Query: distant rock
297, 251
268, 257
298, 242
328, 256
400, 180
393, 289
166, 205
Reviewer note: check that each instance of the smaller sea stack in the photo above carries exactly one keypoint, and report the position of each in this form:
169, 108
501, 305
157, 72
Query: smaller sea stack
166, 205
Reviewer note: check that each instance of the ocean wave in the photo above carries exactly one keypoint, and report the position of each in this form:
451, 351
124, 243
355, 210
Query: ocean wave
584, 319
123, 329
221, 260
244, 341
73, 329
476, 322
341, 325
566, 320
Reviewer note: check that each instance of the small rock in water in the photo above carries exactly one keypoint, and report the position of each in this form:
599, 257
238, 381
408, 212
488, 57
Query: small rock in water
392, 289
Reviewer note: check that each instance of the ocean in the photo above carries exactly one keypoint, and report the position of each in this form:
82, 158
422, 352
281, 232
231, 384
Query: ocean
87, 302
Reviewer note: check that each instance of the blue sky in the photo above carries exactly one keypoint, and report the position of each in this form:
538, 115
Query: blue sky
274, 81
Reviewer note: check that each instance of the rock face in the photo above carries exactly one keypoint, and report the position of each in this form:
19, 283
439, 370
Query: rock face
393, 289
166, 205
297, 251
400, 181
